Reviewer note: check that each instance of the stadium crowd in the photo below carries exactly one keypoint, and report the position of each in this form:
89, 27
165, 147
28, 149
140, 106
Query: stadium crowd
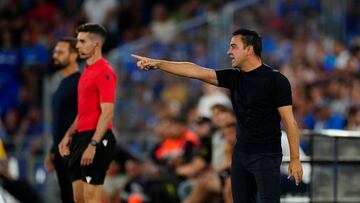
191, 125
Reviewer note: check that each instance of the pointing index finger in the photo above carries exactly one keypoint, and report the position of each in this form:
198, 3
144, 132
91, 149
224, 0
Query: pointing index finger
137, 57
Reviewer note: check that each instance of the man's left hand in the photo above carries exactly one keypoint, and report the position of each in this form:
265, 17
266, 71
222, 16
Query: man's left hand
295, 170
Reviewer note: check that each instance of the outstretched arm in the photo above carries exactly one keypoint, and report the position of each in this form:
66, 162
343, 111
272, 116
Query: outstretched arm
295, 168
184, 69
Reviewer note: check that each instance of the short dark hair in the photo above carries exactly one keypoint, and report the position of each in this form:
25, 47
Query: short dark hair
178, 119
92, 28
250, 37
203, 120
72, 43
220, 107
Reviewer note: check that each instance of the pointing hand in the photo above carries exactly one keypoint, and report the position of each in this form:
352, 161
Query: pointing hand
145, 63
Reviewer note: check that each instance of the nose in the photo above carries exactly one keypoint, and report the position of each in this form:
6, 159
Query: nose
228, 52
54, 55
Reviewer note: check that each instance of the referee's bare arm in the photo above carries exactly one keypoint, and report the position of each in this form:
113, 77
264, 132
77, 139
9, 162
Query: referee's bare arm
184, 69
107, 111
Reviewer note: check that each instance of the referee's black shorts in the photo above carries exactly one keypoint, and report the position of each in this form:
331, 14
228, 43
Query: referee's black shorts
105, 152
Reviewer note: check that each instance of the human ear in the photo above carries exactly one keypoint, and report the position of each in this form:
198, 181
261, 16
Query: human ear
250, 49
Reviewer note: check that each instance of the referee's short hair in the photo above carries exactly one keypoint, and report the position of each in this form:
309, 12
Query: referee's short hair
93, 28
250, 37
72, 43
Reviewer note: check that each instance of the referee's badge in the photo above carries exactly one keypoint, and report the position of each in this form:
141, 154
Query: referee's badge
105, 142
88, 179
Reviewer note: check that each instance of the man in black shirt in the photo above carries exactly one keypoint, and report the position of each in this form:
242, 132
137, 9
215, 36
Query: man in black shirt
261, 97
64, 110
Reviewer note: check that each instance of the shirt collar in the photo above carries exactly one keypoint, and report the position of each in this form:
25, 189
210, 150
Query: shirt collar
101, 60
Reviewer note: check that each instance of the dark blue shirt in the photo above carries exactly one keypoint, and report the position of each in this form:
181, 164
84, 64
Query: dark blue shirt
64, 106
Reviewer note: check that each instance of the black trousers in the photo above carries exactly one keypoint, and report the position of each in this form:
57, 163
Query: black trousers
255, 173
64, 178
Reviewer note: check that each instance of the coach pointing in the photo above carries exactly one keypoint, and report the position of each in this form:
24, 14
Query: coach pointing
261, 97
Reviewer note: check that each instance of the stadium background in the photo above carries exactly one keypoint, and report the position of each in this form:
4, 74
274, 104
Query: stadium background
315, 43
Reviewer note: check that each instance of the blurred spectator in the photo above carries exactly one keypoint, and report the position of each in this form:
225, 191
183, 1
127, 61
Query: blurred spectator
339, 91
342, 55
32, 129
212, 184
325, 119
25, 100
10, 63
10, 131
354, 61
33, 52
104, 10
211, 95
190, 9
202, 156
217, 140
137, 187
352, 18
178, 147
174, 92
353, 122
116, 179
201, 55
162, 26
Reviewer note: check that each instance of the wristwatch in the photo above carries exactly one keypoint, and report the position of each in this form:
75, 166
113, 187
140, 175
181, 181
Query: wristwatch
93, 143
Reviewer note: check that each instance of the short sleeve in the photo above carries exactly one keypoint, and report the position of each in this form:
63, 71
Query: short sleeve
106, 84
283, 96
226, 77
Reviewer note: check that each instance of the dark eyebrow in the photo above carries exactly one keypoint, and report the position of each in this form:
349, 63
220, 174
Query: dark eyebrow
58, 51
233, 45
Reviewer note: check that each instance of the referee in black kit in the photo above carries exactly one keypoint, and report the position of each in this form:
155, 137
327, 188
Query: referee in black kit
261, 97
64, 110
